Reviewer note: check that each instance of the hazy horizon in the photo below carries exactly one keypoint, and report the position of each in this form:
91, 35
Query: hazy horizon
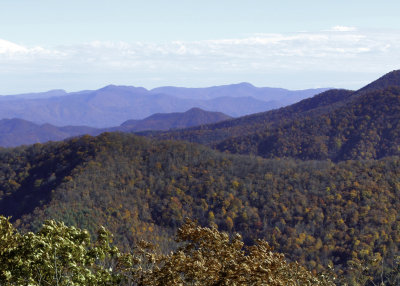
73, 45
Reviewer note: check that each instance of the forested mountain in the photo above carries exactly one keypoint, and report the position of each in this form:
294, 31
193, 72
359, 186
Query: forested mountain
112, 105
316, 212
366, 128
166, 121
336, 125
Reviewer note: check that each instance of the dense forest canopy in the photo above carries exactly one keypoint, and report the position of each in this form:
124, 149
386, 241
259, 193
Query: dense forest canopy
317, 212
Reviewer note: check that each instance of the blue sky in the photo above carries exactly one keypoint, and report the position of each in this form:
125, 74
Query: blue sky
74, 45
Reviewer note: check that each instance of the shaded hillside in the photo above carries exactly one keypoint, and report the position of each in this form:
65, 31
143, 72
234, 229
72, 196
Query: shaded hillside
165, 121
365, 128
15, 132
316, 212
112, 105
212, 134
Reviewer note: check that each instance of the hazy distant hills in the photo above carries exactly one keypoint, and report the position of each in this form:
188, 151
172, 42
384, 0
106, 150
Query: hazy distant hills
269, 94
15, 132
166, 121
47, 94
112, 105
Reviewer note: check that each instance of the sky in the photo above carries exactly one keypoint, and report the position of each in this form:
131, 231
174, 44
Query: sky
77, 45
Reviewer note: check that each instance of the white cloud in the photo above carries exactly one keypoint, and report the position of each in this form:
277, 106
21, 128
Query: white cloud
7, 47
343, 29
332, 50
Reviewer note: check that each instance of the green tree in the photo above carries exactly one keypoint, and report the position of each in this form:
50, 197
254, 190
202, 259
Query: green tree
56, 255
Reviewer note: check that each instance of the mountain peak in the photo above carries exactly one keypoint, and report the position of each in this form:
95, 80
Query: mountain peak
115, 88
195, 109
245, 84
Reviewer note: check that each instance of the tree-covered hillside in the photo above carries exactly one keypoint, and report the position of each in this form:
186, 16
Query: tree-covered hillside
317, 212
366, 128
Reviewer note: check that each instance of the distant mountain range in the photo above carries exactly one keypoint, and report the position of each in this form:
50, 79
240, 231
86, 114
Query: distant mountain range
331, 118
15, 132
269, 94
342, 124
112, 105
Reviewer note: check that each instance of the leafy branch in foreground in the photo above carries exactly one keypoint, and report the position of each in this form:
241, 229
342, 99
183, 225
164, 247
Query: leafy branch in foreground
210, 257
61, 255
55, 255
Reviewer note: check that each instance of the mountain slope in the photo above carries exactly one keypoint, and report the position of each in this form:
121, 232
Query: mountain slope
165, 121
366, 128
316, 212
